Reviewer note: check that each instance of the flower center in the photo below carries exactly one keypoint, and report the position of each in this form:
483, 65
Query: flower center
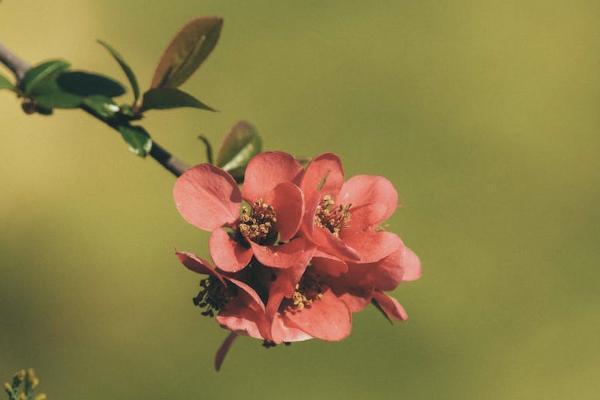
330, 217
308, 290
213, 296
257, 223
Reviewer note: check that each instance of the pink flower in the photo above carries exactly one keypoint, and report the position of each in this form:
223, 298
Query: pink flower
343, 218
208, 198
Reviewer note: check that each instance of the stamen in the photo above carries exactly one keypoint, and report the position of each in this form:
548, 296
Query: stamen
257, 223
330, 217
307, 291
213, 296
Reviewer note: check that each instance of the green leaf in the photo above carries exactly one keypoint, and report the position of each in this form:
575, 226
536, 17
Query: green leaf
137, 138
5, 83
239, 146
187, 51
41, 73
125, 67
102, 106
166, 98
48, 94
57, 99
87, 84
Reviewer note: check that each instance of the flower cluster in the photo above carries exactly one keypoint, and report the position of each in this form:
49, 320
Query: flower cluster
296, 250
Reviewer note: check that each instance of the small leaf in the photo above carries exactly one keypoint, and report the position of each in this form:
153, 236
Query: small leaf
5, 83
166, 98
48, 94
102, 106
86, 84
40, 73
239, 146
137, 138
187, 51
125, 67
57, 99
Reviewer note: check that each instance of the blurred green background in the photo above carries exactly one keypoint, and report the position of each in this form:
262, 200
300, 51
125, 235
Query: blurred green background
485, 115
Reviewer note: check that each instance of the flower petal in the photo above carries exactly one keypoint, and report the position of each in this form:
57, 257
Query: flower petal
224, 349
389, 306
228, 254
295, 253
324, 264
283, 332
288, 201
267, 170
324, 175
199, 265
356, 301
327, 318
207, 197
372, 246
361, 190
411, 265
330, 244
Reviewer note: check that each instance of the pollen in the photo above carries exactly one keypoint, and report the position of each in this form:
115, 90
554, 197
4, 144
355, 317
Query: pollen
307, 291
213, 296
332, 217
257, 223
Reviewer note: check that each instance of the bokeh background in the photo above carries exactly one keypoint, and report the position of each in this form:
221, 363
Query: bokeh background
485, 115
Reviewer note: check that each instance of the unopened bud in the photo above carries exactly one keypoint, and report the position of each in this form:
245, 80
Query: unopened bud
8, 388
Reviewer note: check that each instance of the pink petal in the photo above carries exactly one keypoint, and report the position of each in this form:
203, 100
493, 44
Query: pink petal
411, 265
296, 253
249, 291
245, 314
362, 190
267, 170
333, 245
224, 349
363, 217
228, 254
324, 264
207, 197
372, 246
283, 286
323, 175
392, 309
199, 265
240, 321
327, 318
356, 302
286, 333
288, 201
384, 274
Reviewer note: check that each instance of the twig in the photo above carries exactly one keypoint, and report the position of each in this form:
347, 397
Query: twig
171, 163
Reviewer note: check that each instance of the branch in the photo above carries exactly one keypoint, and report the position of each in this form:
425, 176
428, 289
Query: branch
13, 62
19, 67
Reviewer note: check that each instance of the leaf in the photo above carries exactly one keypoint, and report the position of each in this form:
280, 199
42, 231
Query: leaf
5, 83
137, 138
166, 98
87, 84
187, 51
40, 73
57, 99
126, 69
239, 146
49, 95
102, 105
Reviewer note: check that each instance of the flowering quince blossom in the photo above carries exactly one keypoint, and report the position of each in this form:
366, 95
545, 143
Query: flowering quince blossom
302, 254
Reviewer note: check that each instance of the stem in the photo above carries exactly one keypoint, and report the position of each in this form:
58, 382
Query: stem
13, 62
171, 163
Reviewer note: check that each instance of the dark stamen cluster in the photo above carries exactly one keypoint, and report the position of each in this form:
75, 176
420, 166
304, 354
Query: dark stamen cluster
213, 296
330, 217
257, 223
